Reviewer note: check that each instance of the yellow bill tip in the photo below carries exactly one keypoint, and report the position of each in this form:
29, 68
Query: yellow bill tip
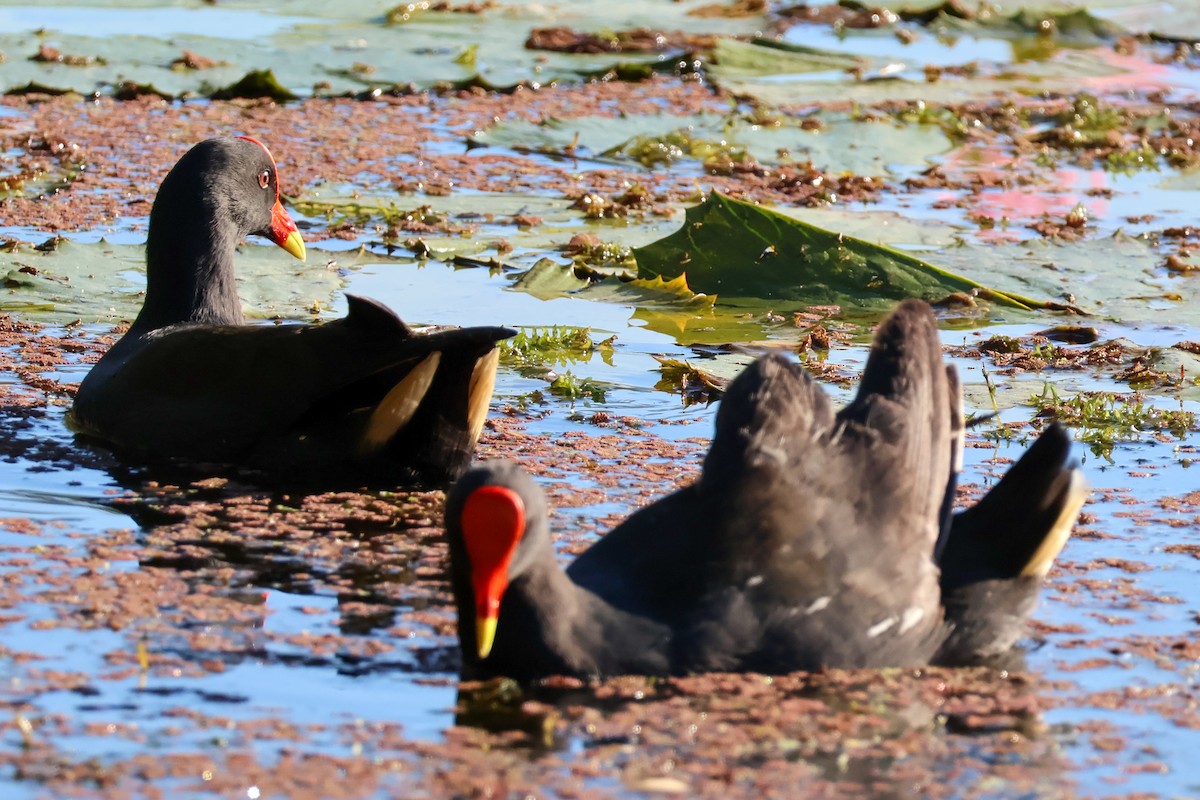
294, 245
485, 635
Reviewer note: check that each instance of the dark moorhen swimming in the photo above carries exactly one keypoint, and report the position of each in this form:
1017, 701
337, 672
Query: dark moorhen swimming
811, 539
359, 399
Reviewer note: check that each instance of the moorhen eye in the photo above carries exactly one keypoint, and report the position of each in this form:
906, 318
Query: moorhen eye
358, 401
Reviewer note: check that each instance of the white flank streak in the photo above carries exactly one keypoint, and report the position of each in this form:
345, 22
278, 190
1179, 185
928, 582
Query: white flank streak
479, 395
912, 615
398, 405
880, 627
817, 605
754, 581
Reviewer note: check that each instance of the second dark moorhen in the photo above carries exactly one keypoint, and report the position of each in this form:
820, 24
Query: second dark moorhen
811, 539
359, 399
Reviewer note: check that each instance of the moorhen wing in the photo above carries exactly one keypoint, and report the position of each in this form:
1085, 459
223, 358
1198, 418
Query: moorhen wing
362, 398
809, 540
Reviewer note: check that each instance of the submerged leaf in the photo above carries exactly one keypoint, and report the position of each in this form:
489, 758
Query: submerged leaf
696, 385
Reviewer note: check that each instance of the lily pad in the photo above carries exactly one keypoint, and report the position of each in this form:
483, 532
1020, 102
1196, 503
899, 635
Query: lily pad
105, 282
738, 59
491, 214
547, 279
1167, 20
878, 142
1050, 20
1117, 277
345, 48
740, 250
1065, 71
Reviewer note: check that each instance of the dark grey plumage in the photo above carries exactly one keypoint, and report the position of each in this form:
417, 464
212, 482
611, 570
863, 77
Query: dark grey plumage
808, 540
360, 399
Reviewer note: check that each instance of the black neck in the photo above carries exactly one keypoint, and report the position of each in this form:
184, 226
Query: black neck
189, 263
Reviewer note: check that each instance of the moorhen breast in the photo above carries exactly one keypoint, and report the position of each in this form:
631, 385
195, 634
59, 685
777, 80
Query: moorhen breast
811, 539
359, 399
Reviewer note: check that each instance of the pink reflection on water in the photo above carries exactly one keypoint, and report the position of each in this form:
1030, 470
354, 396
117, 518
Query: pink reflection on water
1011, 201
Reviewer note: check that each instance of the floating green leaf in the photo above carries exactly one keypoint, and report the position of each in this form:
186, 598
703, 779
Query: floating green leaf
737, 249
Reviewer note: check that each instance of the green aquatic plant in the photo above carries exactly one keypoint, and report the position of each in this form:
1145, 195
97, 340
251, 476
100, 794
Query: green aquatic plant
535, 352
921, 113
590, 252
1127, 162
1103, 419
719, 157
256, 83
341, 212
553, 346
1089, 120
405, 12
571, 387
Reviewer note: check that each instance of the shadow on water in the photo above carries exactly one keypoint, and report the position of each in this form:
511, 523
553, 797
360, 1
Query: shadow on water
247, 533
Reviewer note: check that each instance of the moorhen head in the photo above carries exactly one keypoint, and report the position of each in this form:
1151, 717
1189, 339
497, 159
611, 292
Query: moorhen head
811, 539
362, 399
221, 191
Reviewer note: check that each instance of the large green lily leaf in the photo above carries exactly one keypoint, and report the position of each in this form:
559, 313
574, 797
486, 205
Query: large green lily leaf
736, 249
754, 59
105, 282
